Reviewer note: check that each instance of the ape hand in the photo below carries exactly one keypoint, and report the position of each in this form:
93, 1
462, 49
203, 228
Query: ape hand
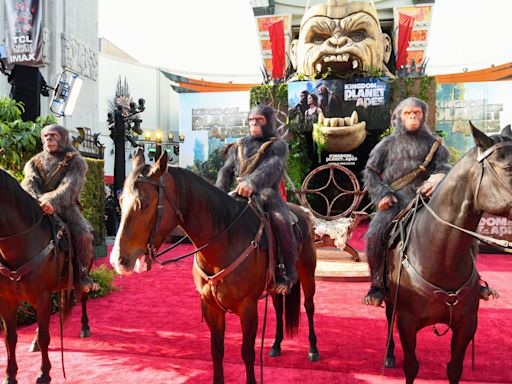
386, 202
46, 207
244, 189
426, 189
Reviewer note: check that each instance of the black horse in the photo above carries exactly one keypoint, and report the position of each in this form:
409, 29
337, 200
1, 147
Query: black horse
434, 272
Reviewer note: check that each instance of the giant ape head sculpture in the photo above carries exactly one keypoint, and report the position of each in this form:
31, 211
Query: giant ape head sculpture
342, 35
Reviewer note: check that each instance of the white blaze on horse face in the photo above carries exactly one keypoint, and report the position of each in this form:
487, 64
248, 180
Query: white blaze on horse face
127, 203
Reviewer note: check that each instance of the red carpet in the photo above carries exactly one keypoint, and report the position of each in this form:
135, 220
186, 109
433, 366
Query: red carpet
150, 331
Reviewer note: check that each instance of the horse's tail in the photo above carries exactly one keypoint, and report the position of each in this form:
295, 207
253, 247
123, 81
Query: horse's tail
66, 303
292, 310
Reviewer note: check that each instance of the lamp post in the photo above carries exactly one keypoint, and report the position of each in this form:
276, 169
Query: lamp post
158, 142
121, 122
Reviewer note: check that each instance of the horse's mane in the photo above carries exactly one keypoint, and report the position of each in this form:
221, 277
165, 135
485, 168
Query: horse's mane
223, 209
12, 193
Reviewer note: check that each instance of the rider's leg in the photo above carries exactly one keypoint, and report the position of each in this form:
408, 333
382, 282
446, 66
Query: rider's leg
84, 249
486, 292
287, 276
375, 252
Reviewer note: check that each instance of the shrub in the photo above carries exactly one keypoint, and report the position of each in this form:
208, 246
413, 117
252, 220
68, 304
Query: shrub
93, 199
19, 140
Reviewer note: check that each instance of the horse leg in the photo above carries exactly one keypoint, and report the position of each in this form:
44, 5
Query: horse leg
85, 332
408, 330
307, 279
34, 347
216, 320
249, 320
277, 300
11, 338
43, 336
462, 335
390, 353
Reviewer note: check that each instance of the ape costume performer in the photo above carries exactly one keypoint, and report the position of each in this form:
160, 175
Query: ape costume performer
396, 156
257, 161
55, 178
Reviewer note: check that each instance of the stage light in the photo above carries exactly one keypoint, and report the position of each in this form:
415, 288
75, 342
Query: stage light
66, 93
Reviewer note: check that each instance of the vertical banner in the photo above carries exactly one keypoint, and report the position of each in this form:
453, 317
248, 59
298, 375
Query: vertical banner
276, 33
417, 38
23, 32
264, 24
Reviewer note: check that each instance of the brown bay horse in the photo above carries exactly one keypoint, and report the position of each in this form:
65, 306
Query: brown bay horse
433, 278
30, 270
231, 232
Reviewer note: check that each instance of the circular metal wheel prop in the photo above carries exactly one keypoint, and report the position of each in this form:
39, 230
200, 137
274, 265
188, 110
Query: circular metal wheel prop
331, 192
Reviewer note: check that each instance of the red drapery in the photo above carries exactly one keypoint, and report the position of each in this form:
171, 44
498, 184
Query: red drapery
276, 32
406, 23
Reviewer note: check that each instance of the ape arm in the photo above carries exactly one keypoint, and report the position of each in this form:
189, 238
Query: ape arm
32, 181
371, 174
227, 172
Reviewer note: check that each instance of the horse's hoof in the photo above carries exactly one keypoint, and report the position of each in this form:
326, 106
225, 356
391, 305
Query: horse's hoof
390, 362
10, 380
274, 352
44, 379
85, 333
34, 347
313, 356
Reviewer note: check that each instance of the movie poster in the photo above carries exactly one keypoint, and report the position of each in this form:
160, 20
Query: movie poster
346, 117
23, 32
209, 121
487, 104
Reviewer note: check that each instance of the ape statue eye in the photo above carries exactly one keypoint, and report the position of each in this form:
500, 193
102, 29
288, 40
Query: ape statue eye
318, 38
357, 36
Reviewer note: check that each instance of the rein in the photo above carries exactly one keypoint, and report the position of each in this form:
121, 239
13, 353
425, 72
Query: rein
152, 251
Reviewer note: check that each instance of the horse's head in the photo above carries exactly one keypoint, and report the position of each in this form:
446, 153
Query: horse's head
493, 188
141, 229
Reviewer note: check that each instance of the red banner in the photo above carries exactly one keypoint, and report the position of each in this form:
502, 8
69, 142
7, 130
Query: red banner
276, 32
406, 24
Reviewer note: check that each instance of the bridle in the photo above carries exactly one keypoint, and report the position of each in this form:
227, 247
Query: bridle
482, 159
163, 192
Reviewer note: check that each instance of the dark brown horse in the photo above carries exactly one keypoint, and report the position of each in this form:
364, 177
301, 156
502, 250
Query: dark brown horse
438, 279
210, 216
30, 270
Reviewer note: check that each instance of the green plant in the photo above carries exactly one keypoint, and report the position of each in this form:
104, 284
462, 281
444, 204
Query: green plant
318, 140
104, 276
93, 198
19, 140
455, 155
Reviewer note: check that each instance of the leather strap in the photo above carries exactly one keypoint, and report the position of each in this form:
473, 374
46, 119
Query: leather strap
409, 178
213, 280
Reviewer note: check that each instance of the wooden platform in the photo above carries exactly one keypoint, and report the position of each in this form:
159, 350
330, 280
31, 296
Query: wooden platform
335, 265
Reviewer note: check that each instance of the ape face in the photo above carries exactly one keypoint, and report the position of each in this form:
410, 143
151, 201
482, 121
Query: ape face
412, 118
256, 124
340, 42
51, 141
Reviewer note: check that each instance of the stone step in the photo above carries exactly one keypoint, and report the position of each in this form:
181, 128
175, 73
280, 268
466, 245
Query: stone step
336, 265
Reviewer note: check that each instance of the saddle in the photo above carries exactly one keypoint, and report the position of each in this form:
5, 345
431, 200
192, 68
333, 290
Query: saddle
69, 270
